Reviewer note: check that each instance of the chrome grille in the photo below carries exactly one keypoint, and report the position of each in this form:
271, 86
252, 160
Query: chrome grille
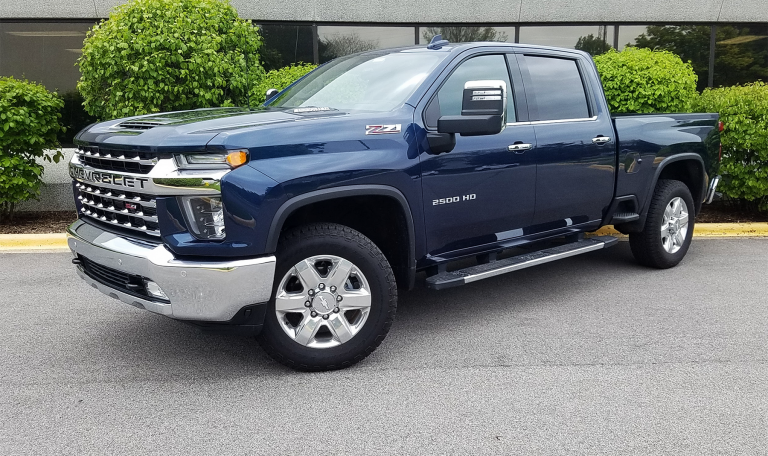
137, 162
131, 210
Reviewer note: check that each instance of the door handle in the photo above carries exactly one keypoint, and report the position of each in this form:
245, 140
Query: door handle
600, 140
519, 147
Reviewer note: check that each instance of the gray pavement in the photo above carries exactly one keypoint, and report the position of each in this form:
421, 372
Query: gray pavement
589, 355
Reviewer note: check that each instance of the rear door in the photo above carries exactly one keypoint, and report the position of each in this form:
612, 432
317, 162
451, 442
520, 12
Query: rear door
481, 192
575, 152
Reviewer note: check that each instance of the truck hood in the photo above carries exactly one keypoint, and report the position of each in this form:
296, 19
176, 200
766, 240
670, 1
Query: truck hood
187, 130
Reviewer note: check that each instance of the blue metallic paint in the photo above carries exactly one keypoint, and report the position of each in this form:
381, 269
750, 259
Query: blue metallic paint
292, 155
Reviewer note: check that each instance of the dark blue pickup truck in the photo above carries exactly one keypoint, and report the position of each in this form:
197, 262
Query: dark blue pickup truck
299, 221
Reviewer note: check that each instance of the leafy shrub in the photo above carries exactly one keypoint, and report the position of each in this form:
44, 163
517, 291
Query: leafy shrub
279, 79
29, 123
744, 112
166, 55
644, 81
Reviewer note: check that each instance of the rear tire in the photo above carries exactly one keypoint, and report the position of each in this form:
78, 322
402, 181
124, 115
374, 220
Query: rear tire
333, 300
668, 230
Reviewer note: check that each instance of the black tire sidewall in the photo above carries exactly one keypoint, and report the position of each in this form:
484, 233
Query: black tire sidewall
337, 240
649, 240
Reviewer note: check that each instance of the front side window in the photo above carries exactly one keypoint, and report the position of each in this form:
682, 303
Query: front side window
557, 87
366, 82
449, 97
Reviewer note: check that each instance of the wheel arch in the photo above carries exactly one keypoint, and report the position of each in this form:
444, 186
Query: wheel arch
302, 205
688, 168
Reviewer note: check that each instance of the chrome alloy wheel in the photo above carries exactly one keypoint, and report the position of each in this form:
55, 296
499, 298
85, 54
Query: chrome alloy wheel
674, 226
323, 301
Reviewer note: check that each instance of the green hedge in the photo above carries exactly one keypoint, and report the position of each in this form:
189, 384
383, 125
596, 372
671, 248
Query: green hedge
645, 81
279, 79
744, 112
29, 123
166, 55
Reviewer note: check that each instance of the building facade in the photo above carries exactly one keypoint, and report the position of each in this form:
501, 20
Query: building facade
726, 41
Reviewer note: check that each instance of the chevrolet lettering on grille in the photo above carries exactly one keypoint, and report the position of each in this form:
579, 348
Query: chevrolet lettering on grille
97, 177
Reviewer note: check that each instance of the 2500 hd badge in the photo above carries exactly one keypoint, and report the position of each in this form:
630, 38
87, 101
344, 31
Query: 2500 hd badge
106, 178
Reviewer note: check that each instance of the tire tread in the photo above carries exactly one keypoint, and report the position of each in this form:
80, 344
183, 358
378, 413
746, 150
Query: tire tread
292, 240
646, 245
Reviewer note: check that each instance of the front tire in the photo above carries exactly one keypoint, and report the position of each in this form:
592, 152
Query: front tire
333, 301
668, 230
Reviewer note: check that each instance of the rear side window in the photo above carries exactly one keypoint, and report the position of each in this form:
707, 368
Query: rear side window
556, 84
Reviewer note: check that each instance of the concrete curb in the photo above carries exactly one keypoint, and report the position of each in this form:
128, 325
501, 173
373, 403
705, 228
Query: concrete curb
58, 241
48, 241
709, 230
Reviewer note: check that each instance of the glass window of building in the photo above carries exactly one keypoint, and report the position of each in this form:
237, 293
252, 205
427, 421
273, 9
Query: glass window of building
43, 52
595, 39
467, 34
47, 52
692, 44
628, 34
741, 54
338, 41
285, 44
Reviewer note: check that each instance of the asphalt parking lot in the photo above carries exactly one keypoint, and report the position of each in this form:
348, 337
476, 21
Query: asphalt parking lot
589, 355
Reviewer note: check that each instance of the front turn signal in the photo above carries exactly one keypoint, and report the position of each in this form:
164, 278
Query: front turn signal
237, 158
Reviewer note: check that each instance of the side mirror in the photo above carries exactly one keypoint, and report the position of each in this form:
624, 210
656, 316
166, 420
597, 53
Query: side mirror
271, 93
483, 110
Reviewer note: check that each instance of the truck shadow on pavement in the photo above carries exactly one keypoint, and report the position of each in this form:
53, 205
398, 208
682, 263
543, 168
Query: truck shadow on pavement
427, 320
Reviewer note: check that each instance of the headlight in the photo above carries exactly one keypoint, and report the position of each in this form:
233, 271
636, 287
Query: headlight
205, 216
229, 159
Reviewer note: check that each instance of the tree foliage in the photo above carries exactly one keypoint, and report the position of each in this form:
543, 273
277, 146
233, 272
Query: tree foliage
740, 56
335, 46
744, 113
594, 45
29, 123
166, 55
464, 34
279, 79
645, 81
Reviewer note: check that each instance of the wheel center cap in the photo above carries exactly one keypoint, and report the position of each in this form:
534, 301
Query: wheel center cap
323, 303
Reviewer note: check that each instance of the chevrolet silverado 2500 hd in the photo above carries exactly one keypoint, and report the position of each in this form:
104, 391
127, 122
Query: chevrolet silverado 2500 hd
299, 221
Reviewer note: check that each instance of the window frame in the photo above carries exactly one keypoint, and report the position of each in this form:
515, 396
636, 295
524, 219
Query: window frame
533, 106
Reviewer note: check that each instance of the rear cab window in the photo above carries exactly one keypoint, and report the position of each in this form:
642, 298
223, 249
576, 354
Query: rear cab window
557, 86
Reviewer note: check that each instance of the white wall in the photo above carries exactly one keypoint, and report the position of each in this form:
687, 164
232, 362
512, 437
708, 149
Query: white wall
56, 193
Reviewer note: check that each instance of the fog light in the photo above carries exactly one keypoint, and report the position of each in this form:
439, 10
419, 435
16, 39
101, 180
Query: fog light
205, 216
155, 290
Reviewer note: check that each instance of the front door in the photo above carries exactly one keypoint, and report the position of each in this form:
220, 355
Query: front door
481, 192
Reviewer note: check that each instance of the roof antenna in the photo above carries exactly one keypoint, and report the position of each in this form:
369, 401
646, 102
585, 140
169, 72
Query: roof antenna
437, 42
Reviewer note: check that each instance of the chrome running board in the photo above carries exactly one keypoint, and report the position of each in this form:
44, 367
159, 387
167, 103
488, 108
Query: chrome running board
495, 268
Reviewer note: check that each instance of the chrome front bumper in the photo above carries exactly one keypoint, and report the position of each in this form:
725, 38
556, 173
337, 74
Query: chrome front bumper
197, 290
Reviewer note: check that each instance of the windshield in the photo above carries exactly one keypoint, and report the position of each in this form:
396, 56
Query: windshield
368, 82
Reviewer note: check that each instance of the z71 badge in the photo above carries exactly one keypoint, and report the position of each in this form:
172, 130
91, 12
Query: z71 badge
382, 129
